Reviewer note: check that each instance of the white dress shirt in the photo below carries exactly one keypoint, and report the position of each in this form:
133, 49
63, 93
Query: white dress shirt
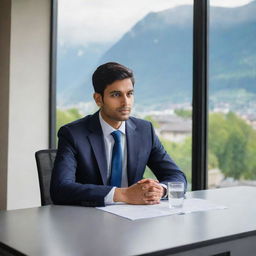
109, 143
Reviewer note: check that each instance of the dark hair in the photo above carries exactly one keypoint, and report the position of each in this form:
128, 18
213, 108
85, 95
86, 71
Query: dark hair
108, 73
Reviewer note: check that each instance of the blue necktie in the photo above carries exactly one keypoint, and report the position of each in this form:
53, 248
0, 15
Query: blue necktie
116, 163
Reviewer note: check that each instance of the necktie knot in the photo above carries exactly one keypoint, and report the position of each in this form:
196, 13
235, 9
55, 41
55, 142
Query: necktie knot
117, 136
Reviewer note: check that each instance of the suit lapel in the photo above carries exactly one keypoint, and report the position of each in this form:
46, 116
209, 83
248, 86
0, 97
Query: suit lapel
132, 139
98, 146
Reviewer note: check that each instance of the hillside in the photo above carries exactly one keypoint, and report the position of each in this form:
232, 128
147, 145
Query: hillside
159, 50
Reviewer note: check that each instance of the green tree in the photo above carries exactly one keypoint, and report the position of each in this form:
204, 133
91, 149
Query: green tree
233, 142
217, 135
67, 116
213, 162
233, 161
250, 153
183, 113
152, 120
181, 154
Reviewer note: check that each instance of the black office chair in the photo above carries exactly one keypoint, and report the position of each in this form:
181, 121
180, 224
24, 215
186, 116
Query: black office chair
44, 161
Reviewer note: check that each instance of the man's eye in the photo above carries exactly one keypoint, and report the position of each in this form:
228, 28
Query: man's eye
115, 94
130, 93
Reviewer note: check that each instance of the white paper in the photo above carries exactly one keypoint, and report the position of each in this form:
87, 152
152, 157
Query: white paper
135, 212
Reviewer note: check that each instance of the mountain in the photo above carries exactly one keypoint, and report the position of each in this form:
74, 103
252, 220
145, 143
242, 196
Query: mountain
233, 48
74, 66
159, 50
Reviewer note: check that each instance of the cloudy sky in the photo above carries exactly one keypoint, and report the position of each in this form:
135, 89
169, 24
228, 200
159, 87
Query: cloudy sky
82, 22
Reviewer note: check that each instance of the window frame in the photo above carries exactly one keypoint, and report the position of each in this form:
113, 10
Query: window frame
200, 95
53, 74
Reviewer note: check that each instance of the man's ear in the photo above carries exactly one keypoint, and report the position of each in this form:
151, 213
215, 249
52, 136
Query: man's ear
98, 99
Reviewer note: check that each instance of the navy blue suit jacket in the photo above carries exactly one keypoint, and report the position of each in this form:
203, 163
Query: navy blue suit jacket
80, 171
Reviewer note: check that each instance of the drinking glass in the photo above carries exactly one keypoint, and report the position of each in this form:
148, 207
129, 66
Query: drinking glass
175, 194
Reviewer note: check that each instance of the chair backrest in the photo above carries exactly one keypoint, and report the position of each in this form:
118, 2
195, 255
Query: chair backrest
45, 161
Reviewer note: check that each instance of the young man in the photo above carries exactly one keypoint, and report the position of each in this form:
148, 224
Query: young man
102, 157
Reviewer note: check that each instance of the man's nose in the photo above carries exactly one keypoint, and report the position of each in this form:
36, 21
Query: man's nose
125, 100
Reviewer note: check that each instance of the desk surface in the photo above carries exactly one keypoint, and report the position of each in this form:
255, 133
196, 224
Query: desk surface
69, 231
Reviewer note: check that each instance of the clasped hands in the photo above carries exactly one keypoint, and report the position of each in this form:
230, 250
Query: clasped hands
145, 191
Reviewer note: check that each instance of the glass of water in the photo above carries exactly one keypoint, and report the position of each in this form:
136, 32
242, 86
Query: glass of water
175, 194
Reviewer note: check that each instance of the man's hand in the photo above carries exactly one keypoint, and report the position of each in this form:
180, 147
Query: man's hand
153, 190
130, 195
146, 191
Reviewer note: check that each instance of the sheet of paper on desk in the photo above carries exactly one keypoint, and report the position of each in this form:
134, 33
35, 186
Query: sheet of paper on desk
135, 212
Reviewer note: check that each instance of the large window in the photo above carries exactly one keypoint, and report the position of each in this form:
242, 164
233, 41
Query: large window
154, 38
232, 97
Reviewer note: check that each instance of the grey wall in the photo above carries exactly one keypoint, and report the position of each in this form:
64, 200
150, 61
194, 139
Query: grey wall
24, 112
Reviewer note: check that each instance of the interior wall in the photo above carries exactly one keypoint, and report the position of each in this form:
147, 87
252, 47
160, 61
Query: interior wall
28, 111
5, 24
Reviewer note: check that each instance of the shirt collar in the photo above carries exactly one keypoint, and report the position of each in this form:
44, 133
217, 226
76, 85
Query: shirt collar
108, 129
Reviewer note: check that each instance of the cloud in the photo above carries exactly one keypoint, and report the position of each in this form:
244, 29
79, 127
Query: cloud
81, 22
80, 53
229, 3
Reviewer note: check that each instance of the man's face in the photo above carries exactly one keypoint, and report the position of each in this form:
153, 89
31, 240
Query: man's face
117, 102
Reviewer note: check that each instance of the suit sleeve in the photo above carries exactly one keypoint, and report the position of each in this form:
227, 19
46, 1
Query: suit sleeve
64, 188
162, 164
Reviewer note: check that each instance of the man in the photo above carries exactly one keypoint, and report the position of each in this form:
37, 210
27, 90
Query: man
102, 157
